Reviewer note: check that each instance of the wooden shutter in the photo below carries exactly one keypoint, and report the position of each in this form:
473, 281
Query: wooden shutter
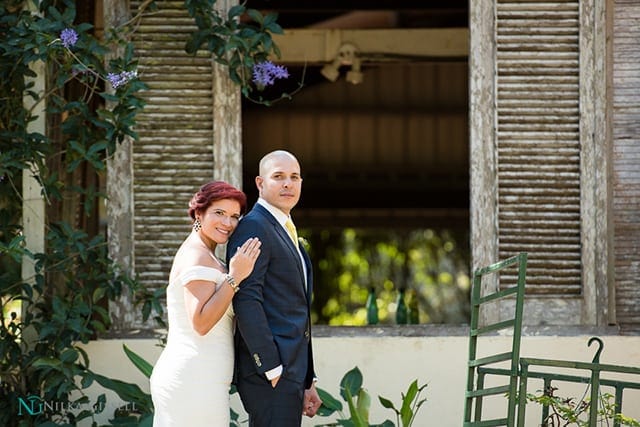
626, 161
175, 153
538, 141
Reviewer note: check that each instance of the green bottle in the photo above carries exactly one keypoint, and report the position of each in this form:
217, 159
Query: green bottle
402, 313
372, 307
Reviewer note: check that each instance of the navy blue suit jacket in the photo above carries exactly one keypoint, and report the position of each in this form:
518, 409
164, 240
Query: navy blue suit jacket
273, 304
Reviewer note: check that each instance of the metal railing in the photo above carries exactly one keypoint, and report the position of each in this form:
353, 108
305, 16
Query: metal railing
594, 381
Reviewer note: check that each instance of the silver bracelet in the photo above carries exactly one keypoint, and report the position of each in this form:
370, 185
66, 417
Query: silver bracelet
232, 282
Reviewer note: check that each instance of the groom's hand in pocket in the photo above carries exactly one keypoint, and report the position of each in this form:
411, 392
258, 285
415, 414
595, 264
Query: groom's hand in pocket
274, 382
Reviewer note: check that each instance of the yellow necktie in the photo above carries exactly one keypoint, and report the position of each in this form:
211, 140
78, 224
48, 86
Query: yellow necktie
291, 229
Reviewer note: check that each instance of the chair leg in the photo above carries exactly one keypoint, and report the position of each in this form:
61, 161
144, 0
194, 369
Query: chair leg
522, 395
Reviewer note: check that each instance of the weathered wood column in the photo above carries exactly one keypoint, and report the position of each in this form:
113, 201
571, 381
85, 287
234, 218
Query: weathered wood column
595, 158
227, 120
120, 194
482, 159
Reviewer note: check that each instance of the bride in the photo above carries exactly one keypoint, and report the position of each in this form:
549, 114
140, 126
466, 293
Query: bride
191, 379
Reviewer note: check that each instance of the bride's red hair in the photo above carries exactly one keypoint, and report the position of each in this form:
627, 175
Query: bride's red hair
214, 191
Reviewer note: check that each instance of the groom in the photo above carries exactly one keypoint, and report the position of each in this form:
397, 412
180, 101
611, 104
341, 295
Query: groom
274, 363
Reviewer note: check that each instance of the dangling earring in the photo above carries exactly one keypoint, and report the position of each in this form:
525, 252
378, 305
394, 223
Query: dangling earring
197, 226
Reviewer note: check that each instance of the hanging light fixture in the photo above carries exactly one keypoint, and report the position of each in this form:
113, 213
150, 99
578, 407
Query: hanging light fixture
347, 55
332, 71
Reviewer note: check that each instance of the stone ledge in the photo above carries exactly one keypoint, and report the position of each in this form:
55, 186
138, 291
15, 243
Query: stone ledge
426, 330
441, 330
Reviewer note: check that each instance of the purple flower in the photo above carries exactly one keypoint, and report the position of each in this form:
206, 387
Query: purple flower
121, 78
265, 73
69, 37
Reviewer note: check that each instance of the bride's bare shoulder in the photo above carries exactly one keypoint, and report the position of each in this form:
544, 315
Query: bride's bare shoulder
190, 255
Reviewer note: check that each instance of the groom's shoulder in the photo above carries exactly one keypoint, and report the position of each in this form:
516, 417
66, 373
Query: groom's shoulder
255, 214
254, 218
259, 214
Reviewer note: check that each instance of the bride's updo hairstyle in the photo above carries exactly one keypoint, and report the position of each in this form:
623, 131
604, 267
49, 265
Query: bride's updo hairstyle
212, 192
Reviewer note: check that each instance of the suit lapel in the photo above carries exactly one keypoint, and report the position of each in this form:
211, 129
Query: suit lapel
286, 241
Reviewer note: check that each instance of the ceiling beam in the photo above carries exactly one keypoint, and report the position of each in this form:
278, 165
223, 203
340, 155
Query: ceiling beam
319, 46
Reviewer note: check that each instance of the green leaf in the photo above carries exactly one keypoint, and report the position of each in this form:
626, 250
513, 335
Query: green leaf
351, 383
145, 367
98, 293
101, 403
97, 148
256, 16
126, 391
236, 11
364, 403
69, 355
387, 404
55, 14
48, 362
356, 418
86, 381
145, 421
329, 403
269, 20
406, 413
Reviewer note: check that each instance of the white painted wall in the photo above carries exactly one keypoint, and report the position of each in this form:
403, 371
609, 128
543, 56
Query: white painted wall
390, 364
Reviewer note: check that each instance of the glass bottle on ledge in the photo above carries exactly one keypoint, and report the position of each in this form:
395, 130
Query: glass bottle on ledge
372, 307
402, 313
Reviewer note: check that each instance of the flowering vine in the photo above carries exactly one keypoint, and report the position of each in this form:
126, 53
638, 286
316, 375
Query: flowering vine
266, 73
244, 46
69, 37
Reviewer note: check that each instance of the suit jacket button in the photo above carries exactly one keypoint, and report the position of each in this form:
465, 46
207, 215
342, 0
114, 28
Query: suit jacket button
257, 359
306, 333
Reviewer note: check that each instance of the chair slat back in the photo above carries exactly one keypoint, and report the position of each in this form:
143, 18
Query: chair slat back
475, 383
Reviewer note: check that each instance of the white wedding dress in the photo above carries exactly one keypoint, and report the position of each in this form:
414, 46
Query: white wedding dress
191, 379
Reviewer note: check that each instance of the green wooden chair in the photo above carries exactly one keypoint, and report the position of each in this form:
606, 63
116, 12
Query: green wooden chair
518, 370
475, 382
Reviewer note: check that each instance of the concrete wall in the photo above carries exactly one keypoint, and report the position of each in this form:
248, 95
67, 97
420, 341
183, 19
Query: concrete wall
390, 363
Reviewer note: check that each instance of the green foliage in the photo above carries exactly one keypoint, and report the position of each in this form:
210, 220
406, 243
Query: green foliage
411, 403
432, 265
88, 111
41, 355
568, 411
236, 43
45, 317
359, 403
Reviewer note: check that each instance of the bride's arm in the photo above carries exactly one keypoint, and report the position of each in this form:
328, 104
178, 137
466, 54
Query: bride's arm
206, 306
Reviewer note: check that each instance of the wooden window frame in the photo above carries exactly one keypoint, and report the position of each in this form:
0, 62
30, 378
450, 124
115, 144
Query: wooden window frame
593, 306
